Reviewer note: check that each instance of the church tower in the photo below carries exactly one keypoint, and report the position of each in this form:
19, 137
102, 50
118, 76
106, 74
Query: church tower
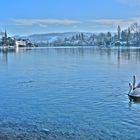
5, 34
5, 38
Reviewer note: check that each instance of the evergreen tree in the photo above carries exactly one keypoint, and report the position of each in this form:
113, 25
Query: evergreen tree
119, 32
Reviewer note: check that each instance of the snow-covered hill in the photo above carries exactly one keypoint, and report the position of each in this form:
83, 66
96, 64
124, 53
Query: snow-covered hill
72, 38
69, 39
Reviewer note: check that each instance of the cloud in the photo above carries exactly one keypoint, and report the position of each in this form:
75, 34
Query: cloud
130, 2
44, 22
116, 22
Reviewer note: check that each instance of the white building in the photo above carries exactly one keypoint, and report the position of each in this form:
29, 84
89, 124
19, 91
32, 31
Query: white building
22, 42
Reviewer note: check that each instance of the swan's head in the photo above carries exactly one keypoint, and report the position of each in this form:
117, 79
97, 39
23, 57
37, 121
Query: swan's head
131, 87
134, 76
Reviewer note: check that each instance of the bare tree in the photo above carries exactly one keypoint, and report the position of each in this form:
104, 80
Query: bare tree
135, 28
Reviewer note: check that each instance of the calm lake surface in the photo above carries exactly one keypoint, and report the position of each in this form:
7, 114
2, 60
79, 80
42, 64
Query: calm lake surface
68, 93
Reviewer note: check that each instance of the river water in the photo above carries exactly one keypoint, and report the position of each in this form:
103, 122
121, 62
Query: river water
68, 93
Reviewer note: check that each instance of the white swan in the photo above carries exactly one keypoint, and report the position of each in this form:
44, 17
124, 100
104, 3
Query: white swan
134, 92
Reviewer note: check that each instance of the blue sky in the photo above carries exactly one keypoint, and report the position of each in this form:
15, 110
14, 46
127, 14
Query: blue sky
24, 17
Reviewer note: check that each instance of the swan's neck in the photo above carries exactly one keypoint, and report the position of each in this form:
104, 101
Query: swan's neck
134, 82
131, 87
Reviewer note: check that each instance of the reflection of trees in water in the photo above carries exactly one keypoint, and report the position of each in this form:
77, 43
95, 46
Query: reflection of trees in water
4, 57
119, 53
131, 54
119, 57
5, 53
138, 55
115, 54
75, 51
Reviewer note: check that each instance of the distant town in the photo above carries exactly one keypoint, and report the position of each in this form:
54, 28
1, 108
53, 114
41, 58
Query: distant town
8, 42
125, 37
